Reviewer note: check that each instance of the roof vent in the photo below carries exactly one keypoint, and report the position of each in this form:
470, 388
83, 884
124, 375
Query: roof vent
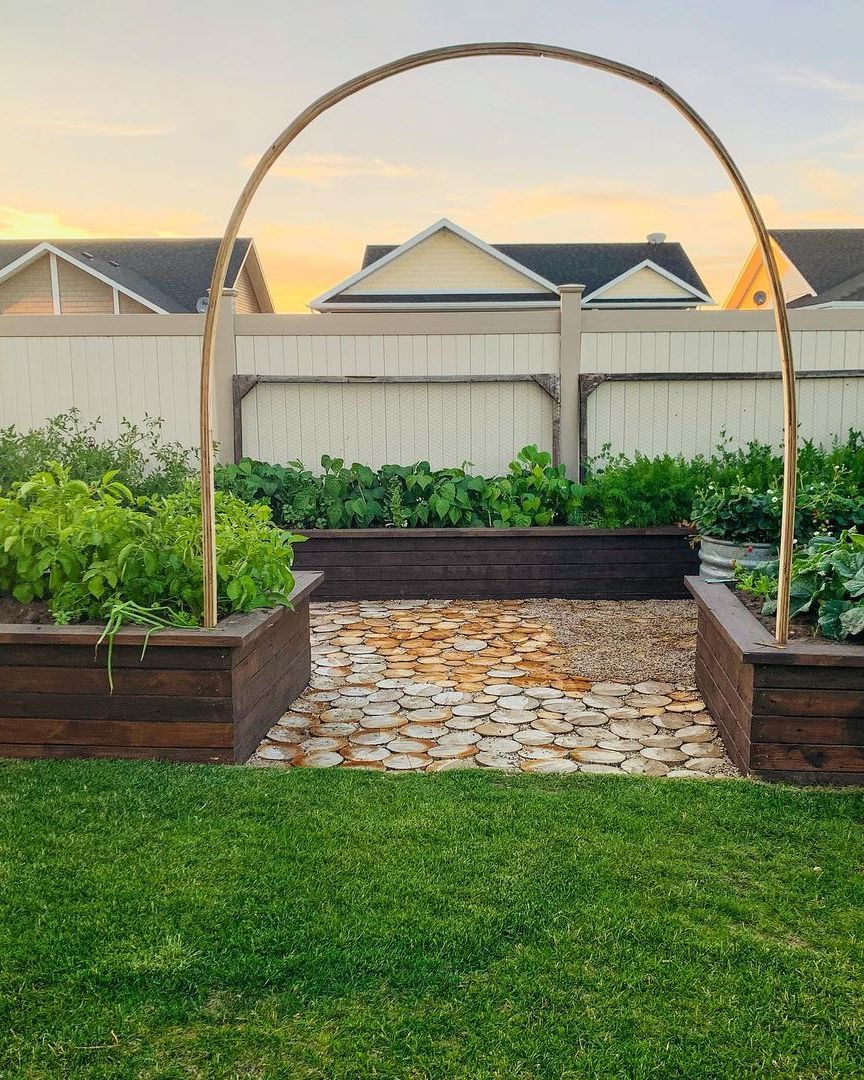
86, 254
656, 237
113, 262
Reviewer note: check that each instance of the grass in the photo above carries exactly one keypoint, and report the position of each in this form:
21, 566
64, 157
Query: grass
177, 922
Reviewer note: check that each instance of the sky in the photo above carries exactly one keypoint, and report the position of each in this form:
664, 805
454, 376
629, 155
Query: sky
127, 118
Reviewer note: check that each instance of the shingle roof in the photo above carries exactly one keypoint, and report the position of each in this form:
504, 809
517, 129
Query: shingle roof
172, 273
591, 265
826, 258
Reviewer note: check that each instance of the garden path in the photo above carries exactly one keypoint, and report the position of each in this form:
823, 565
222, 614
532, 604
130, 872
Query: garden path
430, 686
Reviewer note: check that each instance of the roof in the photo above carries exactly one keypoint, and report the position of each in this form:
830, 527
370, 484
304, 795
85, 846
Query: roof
591, 265
826, 258
172, 273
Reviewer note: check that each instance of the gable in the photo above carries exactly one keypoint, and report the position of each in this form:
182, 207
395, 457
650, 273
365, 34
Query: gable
651, 283
754, 278
444, 263
645, 284
28, 292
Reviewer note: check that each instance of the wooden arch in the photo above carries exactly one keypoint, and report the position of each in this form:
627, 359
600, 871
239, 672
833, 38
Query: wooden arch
457, 52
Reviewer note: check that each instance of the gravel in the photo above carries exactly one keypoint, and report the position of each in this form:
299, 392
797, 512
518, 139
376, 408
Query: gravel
624, 640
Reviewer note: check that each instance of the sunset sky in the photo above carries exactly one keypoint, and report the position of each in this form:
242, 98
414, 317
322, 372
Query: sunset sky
127, 118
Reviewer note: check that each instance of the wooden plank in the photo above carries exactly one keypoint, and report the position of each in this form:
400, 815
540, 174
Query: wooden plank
516, 554
548, 531
159, 753
810, 777
801, 756
724, 705
94, 680
177, 658
251, 726
233, 632
729, 615
801, 676
811, 702
30, 730
298, 649
577, 589
117, 707
808, 729
292, 629
515, 572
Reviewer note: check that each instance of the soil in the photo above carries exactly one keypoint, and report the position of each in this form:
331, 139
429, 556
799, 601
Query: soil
624, 640
798, 628
34, 613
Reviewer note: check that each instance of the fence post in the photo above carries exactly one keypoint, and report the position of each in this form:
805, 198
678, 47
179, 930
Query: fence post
571, 362
224, 368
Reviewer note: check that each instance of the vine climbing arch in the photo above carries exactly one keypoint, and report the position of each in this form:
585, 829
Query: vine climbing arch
457, 52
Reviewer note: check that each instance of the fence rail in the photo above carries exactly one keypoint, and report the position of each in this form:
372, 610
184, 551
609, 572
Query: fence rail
444, 386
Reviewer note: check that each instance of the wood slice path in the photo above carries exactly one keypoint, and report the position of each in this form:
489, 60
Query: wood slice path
430, 686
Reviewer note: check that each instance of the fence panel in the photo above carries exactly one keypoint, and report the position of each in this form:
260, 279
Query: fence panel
109, 376
378, 423
679, 386
442, 393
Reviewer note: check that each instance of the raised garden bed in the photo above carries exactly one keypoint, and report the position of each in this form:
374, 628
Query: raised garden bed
196, 695
793, 714
499, 564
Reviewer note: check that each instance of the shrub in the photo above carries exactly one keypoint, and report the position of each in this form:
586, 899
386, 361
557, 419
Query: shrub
827, 584
139, 456
639, 492
94, 552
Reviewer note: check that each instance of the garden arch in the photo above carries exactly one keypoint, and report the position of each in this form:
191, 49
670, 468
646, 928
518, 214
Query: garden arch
499, 48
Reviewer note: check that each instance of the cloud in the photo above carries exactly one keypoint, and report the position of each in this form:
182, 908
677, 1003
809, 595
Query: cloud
16, 223
325, 168
20, 222
811, 79
831, 184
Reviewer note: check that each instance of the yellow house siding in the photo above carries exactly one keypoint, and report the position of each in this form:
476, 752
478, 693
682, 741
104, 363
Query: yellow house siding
81, 293
28, 292
645, 284
247, 301
128, 306
444, 262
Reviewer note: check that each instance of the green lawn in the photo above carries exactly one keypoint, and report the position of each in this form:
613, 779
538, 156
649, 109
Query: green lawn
174, 922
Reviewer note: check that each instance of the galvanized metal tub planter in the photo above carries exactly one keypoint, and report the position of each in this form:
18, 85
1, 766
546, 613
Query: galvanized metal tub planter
500, 564
719, 558
196, 695
794, 713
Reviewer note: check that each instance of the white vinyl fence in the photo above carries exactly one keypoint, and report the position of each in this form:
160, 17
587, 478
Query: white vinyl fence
446, 387
678, 391
391, 398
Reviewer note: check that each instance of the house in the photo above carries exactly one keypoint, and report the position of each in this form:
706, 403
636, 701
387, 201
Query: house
818, 267
447, 268
161, 276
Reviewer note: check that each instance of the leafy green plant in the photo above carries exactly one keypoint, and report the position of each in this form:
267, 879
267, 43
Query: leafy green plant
827, 584
533, 492
739, 513
95, 553
138, 456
